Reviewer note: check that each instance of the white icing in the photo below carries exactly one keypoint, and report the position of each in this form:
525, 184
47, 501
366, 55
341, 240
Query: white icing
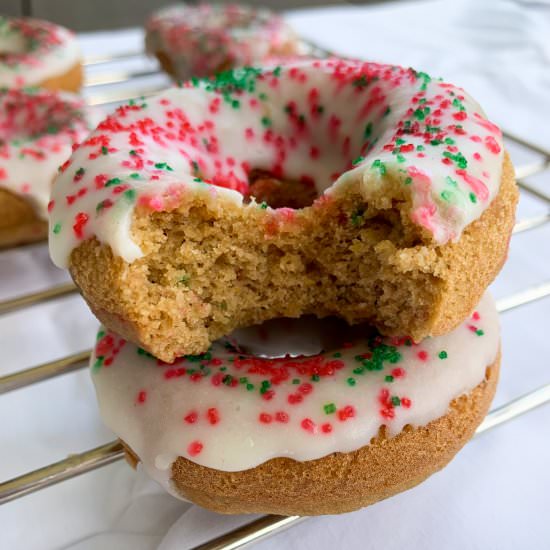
52, 51
37, 132
157, 431
352, 111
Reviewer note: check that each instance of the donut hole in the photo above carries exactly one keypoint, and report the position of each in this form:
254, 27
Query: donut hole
305, 336
279, 193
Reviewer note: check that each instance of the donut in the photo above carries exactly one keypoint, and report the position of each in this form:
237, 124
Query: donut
38, 53
236, 432
201, 40
38, 130
414, 201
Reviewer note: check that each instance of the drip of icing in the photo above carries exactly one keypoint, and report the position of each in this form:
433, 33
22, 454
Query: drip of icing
200, 39
38, 130
232, 412
332, 122
32, 51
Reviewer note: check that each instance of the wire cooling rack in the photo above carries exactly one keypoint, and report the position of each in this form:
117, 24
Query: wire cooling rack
107, 88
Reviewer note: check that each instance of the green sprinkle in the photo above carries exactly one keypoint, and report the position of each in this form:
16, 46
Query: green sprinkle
442, 354
250, 387
296, 381
447, 196
457, 158
112, 181
396, 402
80, 172
451, 181
408, 180
263, 206
351, 381
419, 114
329, 408
130, 194
104, 150
368, 131
389, 378
473, 198
337, 354
380, 166
235, 104
358, 160
57, 228
479, 332
135, 176
360, 82
163, 166
266, 121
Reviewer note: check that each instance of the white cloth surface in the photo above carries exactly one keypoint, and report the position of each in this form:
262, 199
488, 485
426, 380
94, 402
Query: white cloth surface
493, 495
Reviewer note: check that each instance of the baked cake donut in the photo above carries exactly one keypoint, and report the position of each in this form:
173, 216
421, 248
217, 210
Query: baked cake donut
38, 53
414, 207
38, 130
328, 433
204, 39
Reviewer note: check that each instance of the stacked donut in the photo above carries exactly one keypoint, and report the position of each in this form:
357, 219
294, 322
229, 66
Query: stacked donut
40, 121
290, 263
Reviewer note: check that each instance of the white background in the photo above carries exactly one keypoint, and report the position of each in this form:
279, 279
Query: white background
495, 494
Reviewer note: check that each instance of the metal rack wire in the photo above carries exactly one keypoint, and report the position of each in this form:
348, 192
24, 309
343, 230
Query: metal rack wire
110, 452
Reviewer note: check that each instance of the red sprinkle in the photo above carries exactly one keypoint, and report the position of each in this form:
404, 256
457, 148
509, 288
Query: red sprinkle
191, 418
213, 415
195, 447
141, 396
265, 418
308, 425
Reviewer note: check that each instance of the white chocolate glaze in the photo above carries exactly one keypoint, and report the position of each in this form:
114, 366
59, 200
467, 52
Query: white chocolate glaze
32, 50
396, 132
201, 39
38, 130
233, 412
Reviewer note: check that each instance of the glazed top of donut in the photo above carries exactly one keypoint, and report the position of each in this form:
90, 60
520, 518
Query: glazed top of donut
230, 411
38, 130
32, 50
333, 122
200, 39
